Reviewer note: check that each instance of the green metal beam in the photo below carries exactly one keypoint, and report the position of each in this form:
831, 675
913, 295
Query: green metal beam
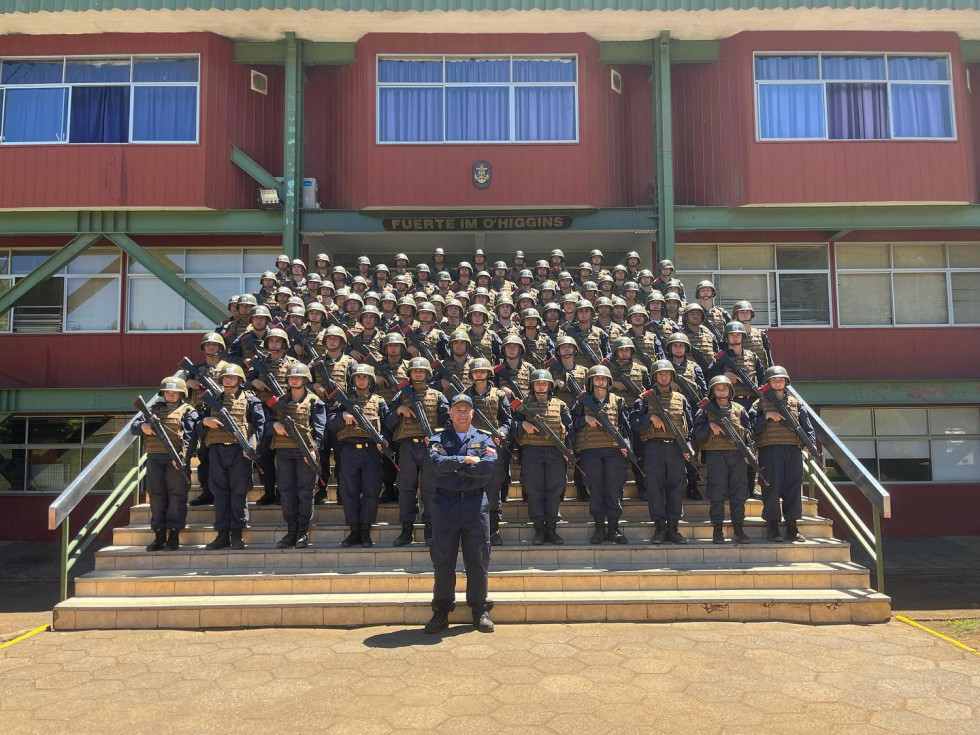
645, 52
193, 294
142, 222
889, 392
830, 218
70, 400
263, 177
48, 268
693, 52
292, 147
315, 53
665, 147
970, 50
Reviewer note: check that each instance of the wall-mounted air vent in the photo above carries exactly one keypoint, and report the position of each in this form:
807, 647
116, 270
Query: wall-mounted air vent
260, 82
615, 81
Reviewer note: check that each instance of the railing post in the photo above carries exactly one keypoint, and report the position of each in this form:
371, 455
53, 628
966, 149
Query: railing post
879, 552
64, 560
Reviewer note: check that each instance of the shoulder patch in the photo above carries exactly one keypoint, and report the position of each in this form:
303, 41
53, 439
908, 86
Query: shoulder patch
439, 448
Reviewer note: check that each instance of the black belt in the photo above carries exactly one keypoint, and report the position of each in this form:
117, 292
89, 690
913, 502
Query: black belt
414, 439
662, 441
360, 445
464, 494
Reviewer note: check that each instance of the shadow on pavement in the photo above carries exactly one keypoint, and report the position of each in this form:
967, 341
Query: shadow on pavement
415, 637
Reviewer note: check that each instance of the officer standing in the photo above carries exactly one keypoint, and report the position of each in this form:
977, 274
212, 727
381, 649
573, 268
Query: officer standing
213, 348
492, 402
780, 455
463, 461
166, 484
295, 476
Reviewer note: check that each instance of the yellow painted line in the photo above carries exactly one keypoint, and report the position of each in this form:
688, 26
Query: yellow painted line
937, 634
18, 639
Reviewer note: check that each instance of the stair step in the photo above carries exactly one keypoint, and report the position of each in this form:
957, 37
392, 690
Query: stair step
412, 608
257, 581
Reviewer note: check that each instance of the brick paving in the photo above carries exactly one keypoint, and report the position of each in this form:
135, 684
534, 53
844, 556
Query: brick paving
691, 678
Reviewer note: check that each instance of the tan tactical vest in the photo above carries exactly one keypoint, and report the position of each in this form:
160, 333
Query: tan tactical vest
686, 371
717, 316
482, 346
578, 373
777, 432
672, 402
213, 372
339, 368
747, 363
399, 370
317, 340
701, 340
597, 438
372, 343
236, 406
431, 340
755, 343
370, 405
613, 330
551, 413
247, 352
522, 377
720, 442
665, 328
647, 343
409, 427
278, 368
300, 413
636, 372
536, 349
488, 403
459, 369
594, 339
170, 418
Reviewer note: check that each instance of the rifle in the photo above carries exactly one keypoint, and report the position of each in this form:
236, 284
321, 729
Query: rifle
211, 397
653, 404
584, 347
352, 338
298, 337
278, 406
503, 371
790, 420
420, 345
620, 374
688, 390
638, 349
458, 386
518, 405
711, 327
600, 415
418, 410
743, 377
383, 369
161, 433
529, 351
699, 357
731, 433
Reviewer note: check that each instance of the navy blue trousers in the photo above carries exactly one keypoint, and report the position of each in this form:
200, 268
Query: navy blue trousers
544, 475
360, 484
605, 477
168, 490
231, 479
726, 482
663, 464
460, 522
296, 481
782, 466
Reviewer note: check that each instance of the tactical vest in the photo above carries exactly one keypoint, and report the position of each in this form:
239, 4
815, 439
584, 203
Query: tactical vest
448, 327
370, 406
645, 343
720, 442
459, 369
370, 344
758, 347
701, 340
717, 316
237, 327
551, 413
247, 352
522, 377
278, 369
597, 438
236, 406
747, 363
593, 338
399, 370
577, 373
339, 368
213, 372
613, 331
482, 345
431, 340
409, 427
170, 418
665, 328
777, 432
317, 340
673, 403
503, 328
635, 371
536, 349
686, 371
300, 413
488, 403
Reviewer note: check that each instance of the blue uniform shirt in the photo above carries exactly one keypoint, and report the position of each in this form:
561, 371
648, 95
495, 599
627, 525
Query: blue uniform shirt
447, 452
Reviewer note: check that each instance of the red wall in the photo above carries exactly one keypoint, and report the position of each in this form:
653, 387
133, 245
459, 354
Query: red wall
192, 175
354, 172
719, 162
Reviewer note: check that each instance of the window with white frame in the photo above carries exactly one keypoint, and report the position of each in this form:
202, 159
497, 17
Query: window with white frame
492, 99
909, 444
908, 284
222, 272
119, 99
788, 285
853, 97
82, 297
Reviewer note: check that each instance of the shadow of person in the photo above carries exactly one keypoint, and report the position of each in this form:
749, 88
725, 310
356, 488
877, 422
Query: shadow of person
415, 636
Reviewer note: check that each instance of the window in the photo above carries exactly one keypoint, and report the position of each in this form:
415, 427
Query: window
907, 284
43, 454
153, 307
853, 97
788, 285
82, 297
494, 99
909, 444
128, 99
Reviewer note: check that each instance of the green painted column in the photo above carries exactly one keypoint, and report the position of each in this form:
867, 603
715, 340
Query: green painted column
48, 268
293, 147
665, 146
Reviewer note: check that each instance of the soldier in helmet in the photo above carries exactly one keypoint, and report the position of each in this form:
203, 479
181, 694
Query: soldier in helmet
583, 273
503, 319
557, 259
381, 277
242, 320
538, 347
619, 279
632, 265
663, 460
715, 315
727, 479
541, 273
644, 279
525, 285
339, 365
755, 339
604, 320
551, 321
517, 264
230, 473
464, 278
590, 291
483, 341
702, 341
444, 282
360, 485
736, 349
394, 364
595, 263
282, 269
483, 281
686, 371
364, 267
564, 284
500, 281
367, 335
339, 277
414, 471
780, 455
352, 310
672, 309
315, 331
619, 312
295, 477
213, 350
479, 260
423, 280
544, 471
267, 292
452, 316
583, 330
296, 317
458, 362
228, 323
567, 373
631, 295
514, 365
322, 265
406, 313
603, 462
607, 285
624, 358
646, 342
659, 323
547, 292
429, 332
297, 276
167, 484
665, 278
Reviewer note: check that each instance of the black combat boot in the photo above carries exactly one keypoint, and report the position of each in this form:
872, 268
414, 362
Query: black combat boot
793, 533
614, 534
773, 533
237, 542
427, 534
692, 491
173, 539
482, 622
407, 535
205, 498
740, 536
221, 541
718, 536
353, 538
439, 622
495, 537
673, 535
538, 533
581, 493
659, 532
551, 535
159, 540
389, 495
366, 541
289, 540
321, 496
599, 535
268, 497
303, 537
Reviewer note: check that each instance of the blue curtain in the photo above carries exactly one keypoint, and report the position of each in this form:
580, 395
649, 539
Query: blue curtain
35, 115
415, 72
165, 70
164, 113
918, 68
921, 111
463, 71
477, 113
545, 113
31, 72
410, 114
854, 67
857, 111
100, 70
791, 111
100, 114
544, 70
777, 68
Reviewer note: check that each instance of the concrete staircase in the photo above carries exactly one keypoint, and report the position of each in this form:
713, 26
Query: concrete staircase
813, 581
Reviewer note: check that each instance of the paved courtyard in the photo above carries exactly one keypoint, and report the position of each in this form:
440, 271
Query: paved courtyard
599, 679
